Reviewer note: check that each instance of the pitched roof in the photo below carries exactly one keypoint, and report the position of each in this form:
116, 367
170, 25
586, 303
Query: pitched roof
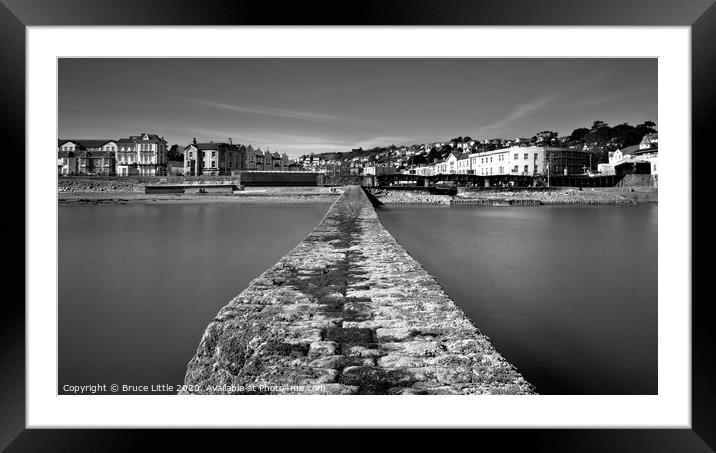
630, 149
150, 137
87, 142
212, 146
65, 154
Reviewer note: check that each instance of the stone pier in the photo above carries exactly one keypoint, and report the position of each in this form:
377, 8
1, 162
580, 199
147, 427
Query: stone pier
347, 311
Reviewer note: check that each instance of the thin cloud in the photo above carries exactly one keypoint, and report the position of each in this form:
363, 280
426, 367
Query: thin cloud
293, 144
283, 113
521, 111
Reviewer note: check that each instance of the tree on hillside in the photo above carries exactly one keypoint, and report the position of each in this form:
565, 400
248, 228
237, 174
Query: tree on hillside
546, 137
432, 155
599, 125
578, 134
175, 152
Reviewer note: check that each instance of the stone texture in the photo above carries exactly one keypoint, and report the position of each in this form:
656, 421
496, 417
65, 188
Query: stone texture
497, 196
348, 311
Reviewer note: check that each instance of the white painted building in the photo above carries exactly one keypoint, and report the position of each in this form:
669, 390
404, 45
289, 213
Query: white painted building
529, 161
647, 151
142, 155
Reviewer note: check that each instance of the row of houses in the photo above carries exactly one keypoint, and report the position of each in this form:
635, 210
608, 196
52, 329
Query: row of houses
140, 155
146, 155
225, 158
515, 160
645, 154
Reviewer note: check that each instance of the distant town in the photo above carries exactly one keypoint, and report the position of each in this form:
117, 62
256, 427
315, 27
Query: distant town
599, 150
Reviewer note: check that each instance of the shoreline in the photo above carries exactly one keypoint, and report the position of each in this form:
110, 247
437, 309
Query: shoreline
124, 199
312, 195
517, 198
253, 195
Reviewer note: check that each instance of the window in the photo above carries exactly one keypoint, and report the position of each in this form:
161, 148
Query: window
516, 169
536, 156
527, 156
213, 154
190, 154
517, 156
527, 168
490, 159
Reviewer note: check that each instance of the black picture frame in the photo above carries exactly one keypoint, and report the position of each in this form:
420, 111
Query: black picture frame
16, 15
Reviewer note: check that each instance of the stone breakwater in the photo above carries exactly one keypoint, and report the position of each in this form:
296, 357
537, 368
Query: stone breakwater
347, 311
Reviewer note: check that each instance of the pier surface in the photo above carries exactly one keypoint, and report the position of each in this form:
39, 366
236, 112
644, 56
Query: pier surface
347, 311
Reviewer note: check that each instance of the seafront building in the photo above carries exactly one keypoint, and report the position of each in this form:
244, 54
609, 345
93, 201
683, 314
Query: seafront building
146, 155
257, 160
141, 155
86, 157
634, 159
530, 161
379, 170
515, 160
213, 159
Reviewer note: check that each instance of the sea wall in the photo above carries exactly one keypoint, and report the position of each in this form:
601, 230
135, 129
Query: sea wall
347, 311
72, 185
133, 184
281, 178
388, 196
504, 197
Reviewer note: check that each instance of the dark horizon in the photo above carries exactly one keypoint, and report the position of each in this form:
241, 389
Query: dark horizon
304, 105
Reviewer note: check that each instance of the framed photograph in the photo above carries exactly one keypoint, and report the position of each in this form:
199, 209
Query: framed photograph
374, 222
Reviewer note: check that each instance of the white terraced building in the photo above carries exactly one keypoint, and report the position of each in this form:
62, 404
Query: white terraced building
515, 161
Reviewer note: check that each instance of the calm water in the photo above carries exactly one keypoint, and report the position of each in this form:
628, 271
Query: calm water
139, 283
567, 294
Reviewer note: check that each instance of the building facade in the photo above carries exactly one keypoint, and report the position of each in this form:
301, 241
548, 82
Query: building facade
141, 155
213, 159
379, 170
91, 157
530, 161
66, 160
252, 158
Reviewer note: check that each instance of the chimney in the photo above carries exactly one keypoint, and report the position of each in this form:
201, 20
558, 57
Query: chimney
230, 141
193, 141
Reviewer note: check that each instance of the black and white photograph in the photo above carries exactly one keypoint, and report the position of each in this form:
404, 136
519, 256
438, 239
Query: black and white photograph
458, 218
357, 226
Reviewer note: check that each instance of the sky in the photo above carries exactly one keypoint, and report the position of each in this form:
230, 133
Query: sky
302, 105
